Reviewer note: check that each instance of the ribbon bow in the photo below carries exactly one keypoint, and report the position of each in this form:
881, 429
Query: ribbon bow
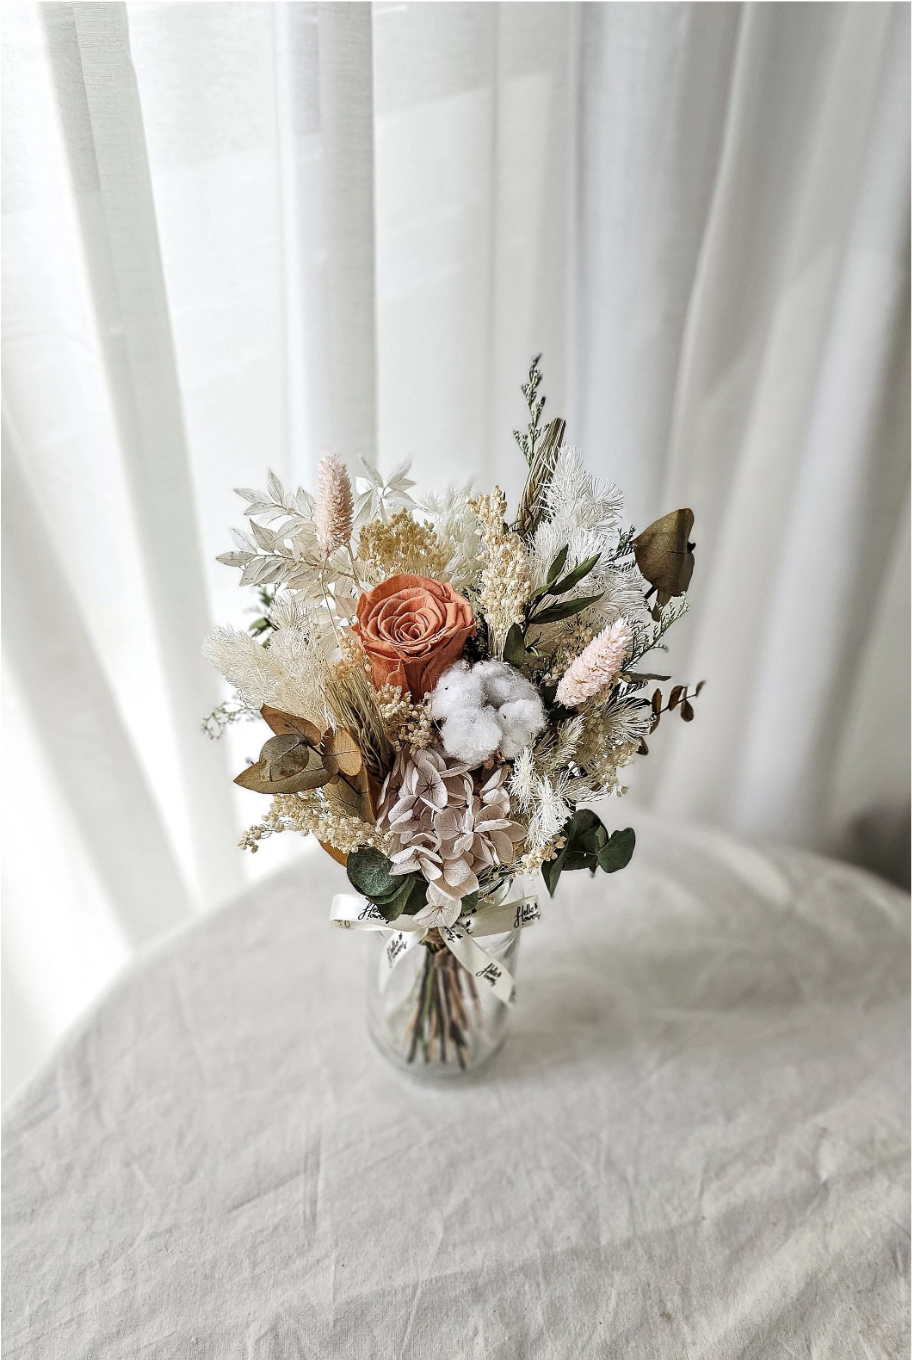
353, 912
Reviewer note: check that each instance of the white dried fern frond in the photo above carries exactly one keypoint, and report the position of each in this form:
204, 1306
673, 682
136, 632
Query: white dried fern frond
625, 722
380, 497
575, 499
289, 674
522, 780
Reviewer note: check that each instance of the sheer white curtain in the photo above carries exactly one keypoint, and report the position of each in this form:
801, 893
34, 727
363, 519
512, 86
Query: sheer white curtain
237, 234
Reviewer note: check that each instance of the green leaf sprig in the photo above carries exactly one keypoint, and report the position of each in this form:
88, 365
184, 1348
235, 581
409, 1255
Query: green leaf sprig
370, 872
538, 611
589, 846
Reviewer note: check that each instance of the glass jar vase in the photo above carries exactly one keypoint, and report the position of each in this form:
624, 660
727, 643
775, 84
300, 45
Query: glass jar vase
429, 1013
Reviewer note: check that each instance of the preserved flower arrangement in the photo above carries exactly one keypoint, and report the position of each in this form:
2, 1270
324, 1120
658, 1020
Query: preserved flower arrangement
446, 686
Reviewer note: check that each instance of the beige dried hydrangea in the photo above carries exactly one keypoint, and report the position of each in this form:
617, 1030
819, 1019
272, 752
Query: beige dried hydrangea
506, 582
408, 724
401, 545
446, 828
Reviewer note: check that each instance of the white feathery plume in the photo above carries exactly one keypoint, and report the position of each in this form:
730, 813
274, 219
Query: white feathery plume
551, 810
626, 723
522, 781
334, 507
575, 500
596, 666
289, 674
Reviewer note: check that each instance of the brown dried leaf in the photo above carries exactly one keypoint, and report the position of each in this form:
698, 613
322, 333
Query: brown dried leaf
699, 687
358, 795
687, 712
664, 555
337, 855
341, 753
283, 723
640, 677
642, 749
657, 701
677, 694
255, 777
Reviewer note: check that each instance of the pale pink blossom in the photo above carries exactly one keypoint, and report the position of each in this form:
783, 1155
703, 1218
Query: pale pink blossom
596, 666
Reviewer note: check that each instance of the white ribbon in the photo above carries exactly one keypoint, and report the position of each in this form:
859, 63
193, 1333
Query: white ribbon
353, 912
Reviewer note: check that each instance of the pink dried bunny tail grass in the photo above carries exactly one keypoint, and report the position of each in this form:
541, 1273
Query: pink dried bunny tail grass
596, 666
334, 508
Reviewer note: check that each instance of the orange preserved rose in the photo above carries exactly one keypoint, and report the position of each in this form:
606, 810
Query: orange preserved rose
412, 629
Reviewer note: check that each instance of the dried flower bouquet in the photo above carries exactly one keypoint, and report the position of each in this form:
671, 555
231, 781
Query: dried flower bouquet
445, 687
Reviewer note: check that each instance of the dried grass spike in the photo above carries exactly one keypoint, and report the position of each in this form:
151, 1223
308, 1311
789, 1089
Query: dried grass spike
334, 508
596, 666
532, 503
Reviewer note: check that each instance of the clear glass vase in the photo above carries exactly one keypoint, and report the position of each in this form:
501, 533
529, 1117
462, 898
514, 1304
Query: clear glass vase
432, 1016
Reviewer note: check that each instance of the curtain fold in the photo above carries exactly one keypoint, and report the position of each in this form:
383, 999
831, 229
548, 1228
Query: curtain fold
101, 118
239, 234
347, 130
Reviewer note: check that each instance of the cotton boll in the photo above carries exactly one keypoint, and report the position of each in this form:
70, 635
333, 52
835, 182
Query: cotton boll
520, 720
471, 734
499, 681
458, 688
504, 683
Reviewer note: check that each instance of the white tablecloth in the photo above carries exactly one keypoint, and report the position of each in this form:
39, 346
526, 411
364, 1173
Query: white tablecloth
693, 1145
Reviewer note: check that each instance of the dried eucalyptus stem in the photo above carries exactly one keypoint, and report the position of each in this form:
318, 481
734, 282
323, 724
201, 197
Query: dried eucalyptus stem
440, 1025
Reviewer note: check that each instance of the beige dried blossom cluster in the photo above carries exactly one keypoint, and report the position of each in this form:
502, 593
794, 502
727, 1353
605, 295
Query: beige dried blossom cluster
330, 822
536, 856
408, 724
506, 582
401, 544
446, 829
573, 636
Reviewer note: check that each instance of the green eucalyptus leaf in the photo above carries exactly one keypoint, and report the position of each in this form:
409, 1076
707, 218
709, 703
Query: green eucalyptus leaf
574, 577
618, 853
584, 820
515, 646
664, 555
592, 841
369, 871
395, 906
551, 871
579, 859
557, 566
418, 894
556, 612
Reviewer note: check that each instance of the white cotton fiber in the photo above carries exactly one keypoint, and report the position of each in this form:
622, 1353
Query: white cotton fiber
458, 688
501, 682
471, 734
485, 708
520, 720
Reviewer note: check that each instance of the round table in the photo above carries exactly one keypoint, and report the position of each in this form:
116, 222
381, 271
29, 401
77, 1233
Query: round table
694, 1143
